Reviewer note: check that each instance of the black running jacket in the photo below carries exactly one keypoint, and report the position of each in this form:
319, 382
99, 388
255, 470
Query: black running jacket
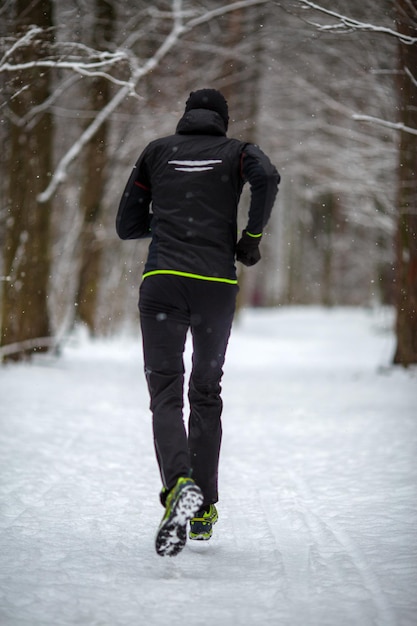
184, 192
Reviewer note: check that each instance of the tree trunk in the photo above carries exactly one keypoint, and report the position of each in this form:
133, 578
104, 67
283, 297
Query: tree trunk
406, 297
328, 208
25, 316
240, 84
94, 181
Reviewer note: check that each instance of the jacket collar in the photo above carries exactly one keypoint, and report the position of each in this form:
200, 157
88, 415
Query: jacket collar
201, 122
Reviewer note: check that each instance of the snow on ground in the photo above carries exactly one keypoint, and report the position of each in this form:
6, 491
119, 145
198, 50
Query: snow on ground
317, 488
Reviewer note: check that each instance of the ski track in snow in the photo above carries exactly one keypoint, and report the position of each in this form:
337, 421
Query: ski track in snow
327, 537
318, 497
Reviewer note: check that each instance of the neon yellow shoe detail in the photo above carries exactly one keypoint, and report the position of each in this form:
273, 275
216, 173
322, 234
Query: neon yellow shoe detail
201, 526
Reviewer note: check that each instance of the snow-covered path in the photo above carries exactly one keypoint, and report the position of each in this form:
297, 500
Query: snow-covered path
318, 485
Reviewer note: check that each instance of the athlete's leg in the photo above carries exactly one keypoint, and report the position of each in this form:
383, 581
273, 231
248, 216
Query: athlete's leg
212, 311
164, 324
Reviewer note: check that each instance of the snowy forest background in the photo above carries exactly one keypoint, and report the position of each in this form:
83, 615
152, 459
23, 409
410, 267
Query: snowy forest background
331, 97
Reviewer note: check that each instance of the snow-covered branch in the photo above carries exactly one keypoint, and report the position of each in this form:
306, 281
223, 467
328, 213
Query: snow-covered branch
386, 123
61, 170
30, 34
179, 28
66, 65
347, 23
411, 76
72, 56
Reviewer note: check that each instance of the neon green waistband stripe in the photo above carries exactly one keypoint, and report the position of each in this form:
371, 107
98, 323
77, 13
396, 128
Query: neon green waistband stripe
229, 281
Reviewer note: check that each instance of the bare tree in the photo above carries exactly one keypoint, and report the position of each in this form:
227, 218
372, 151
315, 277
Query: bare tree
305, 82
25, 314
27, 240
406, 239
406, 303
336, 201
94, 168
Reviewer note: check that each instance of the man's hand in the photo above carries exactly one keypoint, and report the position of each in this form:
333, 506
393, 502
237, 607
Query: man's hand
247, 249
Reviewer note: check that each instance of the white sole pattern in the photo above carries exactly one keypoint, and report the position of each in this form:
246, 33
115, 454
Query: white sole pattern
172, 533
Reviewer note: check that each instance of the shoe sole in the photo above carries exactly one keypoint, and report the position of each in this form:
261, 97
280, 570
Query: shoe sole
172, 533
201, 536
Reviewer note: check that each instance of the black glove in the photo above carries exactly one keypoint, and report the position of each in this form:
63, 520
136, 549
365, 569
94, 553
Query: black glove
247, 249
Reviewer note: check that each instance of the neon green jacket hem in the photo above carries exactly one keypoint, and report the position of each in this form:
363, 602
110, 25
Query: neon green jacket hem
215, 279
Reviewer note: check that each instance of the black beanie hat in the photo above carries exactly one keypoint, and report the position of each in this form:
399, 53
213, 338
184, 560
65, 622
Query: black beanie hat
209, 99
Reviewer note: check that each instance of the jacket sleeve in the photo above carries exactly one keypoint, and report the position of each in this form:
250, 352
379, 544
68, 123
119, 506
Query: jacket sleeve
263, 179
134, 218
